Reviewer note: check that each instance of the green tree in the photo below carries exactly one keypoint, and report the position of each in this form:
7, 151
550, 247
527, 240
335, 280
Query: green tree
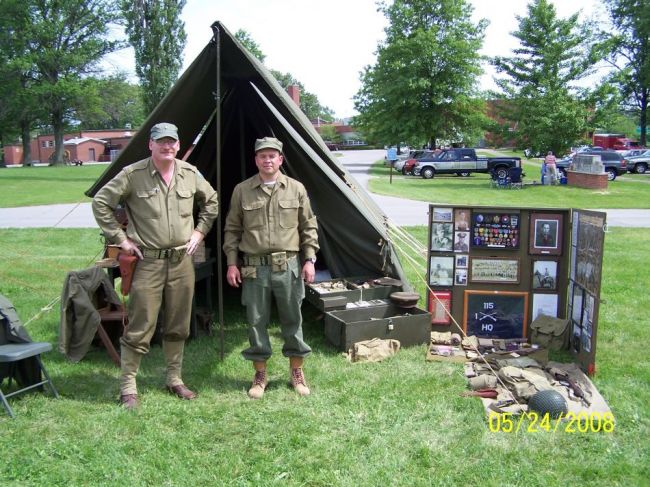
249, 43
158, 37
111, 102
61, 43
550, 112
423, 85
630, 55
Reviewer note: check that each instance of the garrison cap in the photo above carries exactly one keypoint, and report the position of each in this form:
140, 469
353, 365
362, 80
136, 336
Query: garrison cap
161, 130
268, 143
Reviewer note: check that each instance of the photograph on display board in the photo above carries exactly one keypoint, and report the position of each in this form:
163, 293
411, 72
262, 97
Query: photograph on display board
586, 342
461, 219
495, 314
545, 304
545, 234
576, 337
589, 249
588, 314
545, 275
495, 230
462, 261
461, 241
442, 237
441, 271
494, 269
440, 307
460, 278
576, 312
442, 214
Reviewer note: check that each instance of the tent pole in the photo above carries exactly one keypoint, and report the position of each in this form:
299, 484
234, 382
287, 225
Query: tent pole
217, 97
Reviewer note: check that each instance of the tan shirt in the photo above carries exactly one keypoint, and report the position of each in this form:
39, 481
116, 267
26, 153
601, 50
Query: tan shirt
160, 216
266, 219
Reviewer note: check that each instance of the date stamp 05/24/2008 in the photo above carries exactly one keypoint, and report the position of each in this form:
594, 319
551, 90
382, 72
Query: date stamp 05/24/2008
569, 423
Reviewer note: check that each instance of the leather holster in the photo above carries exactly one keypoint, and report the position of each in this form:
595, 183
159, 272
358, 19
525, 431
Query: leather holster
127, 269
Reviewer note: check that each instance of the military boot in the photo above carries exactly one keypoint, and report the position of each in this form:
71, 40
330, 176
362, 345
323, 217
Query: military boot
173, 352
130, 364
297, 376
259, 381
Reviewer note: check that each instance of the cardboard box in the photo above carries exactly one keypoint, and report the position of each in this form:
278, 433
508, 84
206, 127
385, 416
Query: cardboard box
410, 326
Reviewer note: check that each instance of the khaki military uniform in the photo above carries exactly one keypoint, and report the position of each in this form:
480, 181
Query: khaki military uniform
160, 222
263, 223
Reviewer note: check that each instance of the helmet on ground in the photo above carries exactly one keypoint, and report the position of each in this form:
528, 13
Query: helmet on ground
548, 402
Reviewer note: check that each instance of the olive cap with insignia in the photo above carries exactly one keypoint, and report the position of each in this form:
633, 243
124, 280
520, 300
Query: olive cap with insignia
268, 143
161, 130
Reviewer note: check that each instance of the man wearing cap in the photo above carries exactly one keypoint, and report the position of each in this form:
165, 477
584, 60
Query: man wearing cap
159, 194
270, 222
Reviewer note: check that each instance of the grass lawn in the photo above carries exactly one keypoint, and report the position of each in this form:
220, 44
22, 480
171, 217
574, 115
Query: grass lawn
630, 191
30, 186
400, 422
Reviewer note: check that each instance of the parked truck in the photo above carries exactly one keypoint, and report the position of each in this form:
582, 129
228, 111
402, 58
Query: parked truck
462, 162
614, 141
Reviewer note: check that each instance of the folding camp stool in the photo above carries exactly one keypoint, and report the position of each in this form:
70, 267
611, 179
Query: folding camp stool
12, 353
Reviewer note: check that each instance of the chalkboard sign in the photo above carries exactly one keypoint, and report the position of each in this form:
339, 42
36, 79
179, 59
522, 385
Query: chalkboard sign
495, 314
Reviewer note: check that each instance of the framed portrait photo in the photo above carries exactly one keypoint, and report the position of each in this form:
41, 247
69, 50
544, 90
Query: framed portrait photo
545, 234
441, 271
442, 237
494, 269
544, 275
440, 307
461, 241
462, 218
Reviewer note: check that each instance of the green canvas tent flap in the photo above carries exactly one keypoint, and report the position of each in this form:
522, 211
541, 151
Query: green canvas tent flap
353, 239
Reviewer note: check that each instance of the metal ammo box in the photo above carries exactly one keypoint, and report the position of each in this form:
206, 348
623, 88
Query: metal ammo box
411, 326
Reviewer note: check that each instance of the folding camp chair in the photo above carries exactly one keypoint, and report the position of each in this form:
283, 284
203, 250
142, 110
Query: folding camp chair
515, 176
12, 354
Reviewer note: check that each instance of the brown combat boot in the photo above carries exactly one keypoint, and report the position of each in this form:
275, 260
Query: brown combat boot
297, 376
259, 381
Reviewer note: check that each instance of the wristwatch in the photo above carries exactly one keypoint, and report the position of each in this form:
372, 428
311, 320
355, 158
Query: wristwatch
311, 259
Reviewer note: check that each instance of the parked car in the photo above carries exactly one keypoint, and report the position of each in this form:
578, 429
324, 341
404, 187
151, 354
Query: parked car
405, 166
639, 164
613, 162
459, 161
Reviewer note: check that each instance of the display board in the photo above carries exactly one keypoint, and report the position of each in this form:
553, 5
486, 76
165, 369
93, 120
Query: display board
524, 262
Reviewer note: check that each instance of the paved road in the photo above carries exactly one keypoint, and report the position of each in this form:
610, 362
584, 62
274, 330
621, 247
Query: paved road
401, 211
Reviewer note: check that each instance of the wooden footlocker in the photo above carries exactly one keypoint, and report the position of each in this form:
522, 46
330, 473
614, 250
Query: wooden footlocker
410, 326
335, 294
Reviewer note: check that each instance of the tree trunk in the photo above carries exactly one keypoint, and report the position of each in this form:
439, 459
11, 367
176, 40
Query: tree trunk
57, 126
26, 138
643, 119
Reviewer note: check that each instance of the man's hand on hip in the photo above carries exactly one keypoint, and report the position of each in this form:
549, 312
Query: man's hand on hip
196, 238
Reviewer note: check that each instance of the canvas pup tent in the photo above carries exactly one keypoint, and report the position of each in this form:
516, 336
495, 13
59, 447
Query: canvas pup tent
223, 102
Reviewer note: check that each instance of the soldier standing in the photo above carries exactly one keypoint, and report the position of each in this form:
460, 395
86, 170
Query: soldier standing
271, 223
159, 194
